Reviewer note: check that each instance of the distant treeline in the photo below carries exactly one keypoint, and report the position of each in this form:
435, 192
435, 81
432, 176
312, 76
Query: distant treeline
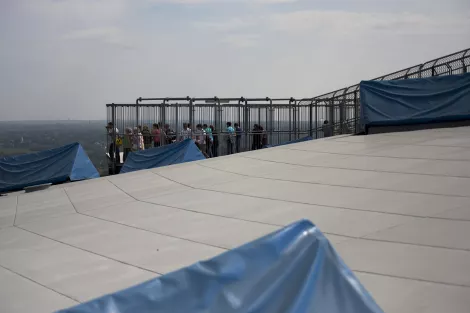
27, 137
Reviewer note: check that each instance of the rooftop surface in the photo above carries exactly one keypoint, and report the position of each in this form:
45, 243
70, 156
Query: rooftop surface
395, 206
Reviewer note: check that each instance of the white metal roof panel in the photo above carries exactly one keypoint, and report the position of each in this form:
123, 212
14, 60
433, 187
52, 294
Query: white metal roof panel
395, 206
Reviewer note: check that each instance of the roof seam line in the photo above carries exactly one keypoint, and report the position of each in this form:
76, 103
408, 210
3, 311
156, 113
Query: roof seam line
174, 181
154, 232
336, 207
341, 186
364, 237
353, 169
377, 156
410, 278
89, 251
42, 285
70, 200
122, 190
405, 144
16, 211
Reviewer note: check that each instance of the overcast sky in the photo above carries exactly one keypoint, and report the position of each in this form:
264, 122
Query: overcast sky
64, 59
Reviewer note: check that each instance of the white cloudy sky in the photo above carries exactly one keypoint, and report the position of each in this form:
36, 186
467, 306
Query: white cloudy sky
67, 58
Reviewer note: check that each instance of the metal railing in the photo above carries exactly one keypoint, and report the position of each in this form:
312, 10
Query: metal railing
452, 64
282, 120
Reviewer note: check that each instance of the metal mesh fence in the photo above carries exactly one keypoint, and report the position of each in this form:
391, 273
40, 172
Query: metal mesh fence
344, 103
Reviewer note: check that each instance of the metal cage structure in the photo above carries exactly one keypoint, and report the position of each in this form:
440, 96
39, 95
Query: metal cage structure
282, 119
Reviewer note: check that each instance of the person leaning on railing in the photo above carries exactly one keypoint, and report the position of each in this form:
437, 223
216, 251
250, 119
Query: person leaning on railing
170, 134
256, 138
113, 149
200, 139
215, 145
209, 140
230, 137
327, 129
147, 137
137, 140
127, 142
264, 137
156, 133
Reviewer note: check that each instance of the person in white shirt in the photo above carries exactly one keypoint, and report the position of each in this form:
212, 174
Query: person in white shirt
200, 139
186, 132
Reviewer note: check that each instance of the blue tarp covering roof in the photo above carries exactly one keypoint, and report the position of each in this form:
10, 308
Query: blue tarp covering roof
415, 101
180, 152
294, 270
50, 166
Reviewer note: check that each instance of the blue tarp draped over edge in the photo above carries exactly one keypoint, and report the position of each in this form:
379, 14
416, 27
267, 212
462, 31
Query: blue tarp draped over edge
50, 166
180, 152
415, 101
294, 270
307, 138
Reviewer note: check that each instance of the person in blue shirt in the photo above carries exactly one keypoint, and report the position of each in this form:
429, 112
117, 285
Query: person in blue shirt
230, 137
209, 140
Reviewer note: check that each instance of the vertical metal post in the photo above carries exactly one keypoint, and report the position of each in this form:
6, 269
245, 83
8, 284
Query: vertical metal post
137, 114
290, 118
177, 106
113, 120
163, 115
433, 70
296, 118
342, 112
449, 68
191, 114
271, 118
332, 118
246, 122
219, 126
216, 117
316, 119
137, 111
310, 119
259, 115
420, 71
356, 112
464, 66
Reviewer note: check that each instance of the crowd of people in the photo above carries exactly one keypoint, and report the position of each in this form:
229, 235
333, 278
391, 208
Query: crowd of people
206, 138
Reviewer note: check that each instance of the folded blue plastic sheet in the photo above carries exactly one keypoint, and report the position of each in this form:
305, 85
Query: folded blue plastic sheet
294, 270
415, 101
50, 166
176, 153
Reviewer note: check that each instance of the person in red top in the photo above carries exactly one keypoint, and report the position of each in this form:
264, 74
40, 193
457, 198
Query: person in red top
156, 133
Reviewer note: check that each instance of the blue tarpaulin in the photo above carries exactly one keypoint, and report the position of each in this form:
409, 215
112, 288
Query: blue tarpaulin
50, 166
180, 152
294, 270
415, 101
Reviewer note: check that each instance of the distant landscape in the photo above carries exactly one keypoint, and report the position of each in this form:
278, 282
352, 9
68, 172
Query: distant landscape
32, 136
